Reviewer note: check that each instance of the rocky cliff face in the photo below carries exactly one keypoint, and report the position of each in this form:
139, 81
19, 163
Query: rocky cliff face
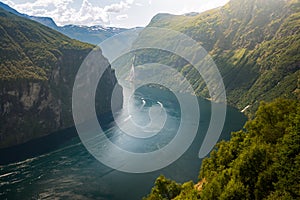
38, 67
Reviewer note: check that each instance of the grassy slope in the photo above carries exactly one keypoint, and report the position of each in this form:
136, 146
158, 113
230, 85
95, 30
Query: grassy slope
29, 50
255, 45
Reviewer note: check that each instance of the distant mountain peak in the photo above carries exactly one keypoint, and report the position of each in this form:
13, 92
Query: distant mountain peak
160, 16
47, 21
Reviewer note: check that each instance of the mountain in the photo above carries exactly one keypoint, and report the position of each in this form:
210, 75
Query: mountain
90, 34
11, 10
37, 71
47, 21
255, 45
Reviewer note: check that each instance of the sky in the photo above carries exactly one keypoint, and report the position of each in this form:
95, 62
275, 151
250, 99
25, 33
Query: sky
116, 13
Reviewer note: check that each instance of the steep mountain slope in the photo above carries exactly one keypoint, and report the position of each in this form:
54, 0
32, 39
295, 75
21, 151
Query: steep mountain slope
255, 45
47, 21
37, 70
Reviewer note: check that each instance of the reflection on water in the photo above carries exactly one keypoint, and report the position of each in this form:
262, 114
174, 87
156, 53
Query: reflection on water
70, 172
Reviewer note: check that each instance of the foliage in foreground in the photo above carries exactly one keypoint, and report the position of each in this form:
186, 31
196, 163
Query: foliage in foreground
260, 162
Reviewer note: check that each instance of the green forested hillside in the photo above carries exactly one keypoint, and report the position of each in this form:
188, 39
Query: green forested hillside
29, 50
255, 45
37, 70
260, 162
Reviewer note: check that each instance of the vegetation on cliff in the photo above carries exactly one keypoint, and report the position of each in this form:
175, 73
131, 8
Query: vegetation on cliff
29, 50
255, 45
260, 162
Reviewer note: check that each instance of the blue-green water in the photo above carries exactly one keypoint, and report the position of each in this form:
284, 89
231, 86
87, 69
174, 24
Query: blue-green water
66, 170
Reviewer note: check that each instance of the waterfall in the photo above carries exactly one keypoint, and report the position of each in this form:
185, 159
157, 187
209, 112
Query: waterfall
132, 74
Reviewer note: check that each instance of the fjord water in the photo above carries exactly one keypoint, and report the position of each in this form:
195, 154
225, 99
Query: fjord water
70, 172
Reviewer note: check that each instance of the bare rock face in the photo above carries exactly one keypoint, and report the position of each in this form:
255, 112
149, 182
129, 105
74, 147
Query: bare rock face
30, 96
31, 109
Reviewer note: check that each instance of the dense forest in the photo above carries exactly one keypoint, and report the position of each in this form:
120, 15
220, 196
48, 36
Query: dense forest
262, 161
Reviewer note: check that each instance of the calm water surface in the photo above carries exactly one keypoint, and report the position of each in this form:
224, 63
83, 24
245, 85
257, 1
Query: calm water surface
68, 171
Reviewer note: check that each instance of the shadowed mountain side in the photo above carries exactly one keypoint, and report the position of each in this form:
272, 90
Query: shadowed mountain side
37, 70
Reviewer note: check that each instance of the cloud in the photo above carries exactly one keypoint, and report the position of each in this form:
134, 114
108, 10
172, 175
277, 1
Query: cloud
89, 15
139, 4
42, 4
63, 12
8, 2
122, 17
130, 1
118, 7
111, 12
